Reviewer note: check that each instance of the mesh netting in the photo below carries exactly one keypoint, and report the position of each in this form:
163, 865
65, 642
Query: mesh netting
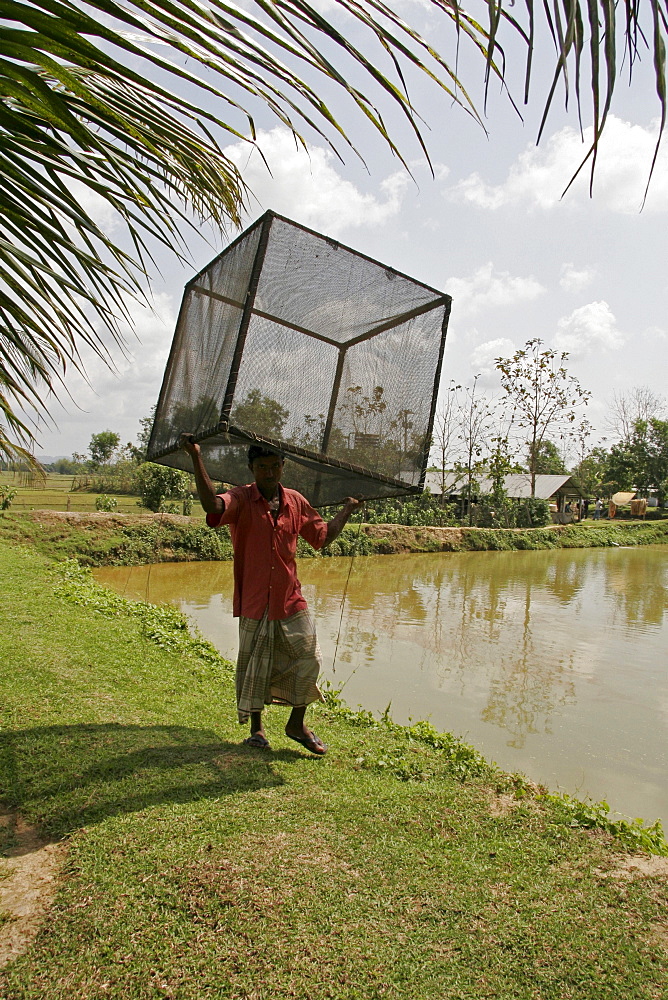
291, 339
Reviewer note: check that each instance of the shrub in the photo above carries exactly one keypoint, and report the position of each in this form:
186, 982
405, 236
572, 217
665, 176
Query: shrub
425, 510
158, 486
494, 511
533, 513
169, 507
106, 503
7, 494
117, 478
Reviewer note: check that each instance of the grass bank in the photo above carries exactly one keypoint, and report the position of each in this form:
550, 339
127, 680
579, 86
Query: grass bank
100, 539
399, 865
391, 538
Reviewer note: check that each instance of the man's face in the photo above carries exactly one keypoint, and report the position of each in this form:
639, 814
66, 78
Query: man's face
267, 470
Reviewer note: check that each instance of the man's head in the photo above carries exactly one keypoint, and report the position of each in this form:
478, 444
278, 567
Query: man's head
267, 468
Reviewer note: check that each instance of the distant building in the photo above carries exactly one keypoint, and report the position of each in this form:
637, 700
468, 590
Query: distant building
557, 490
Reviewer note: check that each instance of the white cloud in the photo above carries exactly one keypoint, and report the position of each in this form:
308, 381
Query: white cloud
306, 186
97, 207
540, 174
115, 399
590, 328
483, 358
575, 279
490, 289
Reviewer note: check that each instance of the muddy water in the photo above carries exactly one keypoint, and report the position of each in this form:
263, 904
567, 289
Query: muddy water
551, 663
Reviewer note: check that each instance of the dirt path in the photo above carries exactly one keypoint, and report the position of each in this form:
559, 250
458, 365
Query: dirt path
28, 880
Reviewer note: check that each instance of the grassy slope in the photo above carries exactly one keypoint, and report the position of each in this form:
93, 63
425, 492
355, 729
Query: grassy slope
120, 539
200, 870
389, 538
99, 539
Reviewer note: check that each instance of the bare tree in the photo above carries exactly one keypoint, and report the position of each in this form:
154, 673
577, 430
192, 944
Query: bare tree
626, 408
445, 432
474, 417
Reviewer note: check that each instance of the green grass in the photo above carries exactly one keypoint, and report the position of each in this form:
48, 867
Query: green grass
400, 865
82, 503
571, 536
54, 492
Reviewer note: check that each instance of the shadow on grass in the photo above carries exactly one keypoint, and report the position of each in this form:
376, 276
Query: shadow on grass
66, 777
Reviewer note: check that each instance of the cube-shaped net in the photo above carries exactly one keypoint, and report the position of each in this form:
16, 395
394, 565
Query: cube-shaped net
290, 339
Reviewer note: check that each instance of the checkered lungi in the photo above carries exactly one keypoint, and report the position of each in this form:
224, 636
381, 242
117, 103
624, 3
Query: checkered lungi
278, 663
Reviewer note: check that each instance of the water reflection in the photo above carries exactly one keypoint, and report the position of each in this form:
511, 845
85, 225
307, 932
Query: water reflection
638, 588
474, 616
552, 663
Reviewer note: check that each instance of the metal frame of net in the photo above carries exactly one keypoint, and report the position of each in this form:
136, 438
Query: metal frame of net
292, 340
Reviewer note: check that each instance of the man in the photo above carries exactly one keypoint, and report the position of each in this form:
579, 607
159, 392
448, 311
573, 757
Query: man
279, 657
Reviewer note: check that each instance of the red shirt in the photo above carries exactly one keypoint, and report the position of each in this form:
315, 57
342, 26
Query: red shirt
265, 571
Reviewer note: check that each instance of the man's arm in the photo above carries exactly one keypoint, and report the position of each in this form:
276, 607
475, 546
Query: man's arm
208, 498
338, 522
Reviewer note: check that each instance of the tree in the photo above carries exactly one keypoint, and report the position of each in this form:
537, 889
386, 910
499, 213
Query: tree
159, 484
548, 460
592, 474
543, 395
137, 452
581, 433
497, 508
641, 463
445, 432
475, 417
89, 107
144, 436
102, 447
658, 457
626, 408
65, 467
260, 414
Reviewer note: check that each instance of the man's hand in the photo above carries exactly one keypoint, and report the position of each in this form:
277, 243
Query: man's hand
336, 525
210, 501
187, 442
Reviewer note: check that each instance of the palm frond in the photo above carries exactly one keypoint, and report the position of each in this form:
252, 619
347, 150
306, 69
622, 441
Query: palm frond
133, 98
83, 102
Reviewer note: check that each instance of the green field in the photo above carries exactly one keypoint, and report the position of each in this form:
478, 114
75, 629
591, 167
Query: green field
55, 492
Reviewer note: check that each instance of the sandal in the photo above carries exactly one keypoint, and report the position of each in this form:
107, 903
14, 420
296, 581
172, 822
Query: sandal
312, 743
258, 741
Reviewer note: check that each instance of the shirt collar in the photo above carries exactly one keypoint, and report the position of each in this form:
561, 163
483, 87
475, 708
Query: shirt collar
256, 495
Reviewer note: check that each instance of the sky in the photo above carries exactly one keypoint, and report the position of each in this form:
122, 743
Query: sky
491, 226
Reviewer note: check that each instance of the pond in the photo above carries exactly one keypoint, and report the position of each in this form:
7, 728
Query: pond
554, 664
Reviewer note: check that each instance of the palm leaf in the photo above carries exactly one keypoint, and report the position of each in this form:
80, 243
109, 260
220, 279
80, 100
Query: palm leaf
83, 99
